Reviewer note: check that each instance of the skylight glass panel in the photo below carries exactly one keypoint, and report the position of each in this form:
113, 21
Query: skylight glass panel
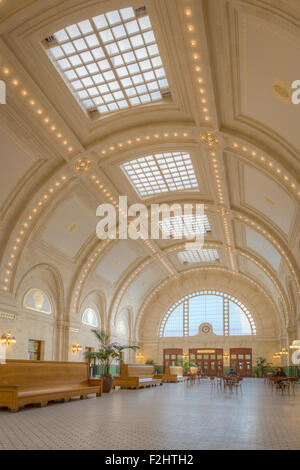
184, 225
198, 256
119, 43
161, 173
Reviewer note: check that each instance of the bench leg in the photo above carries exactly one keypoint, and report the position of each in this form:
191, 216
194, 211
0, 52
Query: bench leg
98, 394
66, 400
14, 410
83, 397
44, 404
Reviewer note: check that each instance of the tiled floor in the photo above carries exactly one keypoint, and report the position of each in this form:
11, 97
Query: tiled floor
175, 416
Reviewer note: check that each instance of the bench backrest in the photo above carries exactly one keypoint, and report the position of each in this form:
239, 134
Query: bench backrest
174, 370
136, 370
32, 374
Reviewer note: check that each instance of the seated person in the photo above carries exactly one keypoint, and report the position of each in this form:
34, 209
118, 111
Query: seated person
280, 372
232, 372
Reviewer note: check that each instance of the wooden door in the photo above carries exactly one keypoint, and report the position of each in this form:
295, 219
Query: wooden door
241, 361
91, 362
34, 350
210, 360
172, 357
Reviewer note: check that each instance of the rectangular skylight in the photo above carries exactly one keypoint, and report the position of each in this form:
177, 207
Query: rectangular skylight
110, 62
184, 225
160, 173
198, 256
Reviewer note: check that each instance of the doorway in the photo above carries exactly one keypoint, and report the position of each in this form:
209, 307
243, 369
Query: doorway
34, 350
210, 360
172, 357
241, 361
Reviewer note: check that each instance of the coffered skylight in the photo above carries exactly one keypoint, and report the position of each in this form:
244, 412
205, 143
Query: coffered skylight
161, 173
198, 256
110, 62
184, 225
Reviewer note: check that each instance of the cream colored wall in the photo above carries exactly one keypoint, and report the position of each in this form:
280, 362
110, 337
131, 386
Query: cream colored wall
28, 326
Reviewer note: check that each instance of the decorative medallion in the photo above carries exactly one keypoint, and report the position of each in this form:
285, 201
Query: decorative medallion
82, 164
209, 139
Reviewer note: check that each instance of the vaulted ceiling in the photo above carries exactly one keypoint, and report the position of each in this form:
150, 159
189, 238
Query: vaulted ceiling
229, 66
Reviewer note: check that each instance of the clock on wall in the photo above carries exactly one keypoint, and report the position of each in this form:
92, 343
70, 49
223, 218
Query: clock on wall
205, 329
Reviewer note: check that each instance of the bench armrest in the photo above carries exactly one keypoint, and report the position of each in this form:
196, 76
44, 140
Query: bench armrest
9, 396
96, 382
9, 388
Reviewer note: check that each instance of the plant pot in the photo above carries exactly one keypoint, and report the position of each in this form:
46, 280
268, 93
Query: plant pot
107, 382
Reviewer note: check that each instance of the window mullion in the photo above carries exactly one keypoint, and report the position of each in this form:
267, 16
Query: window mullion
186, 317
226, 325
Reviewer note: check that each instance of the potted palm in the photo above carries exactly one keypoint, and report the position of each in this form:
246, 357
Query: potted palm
157, 368
107, 354
186, 365
262, 366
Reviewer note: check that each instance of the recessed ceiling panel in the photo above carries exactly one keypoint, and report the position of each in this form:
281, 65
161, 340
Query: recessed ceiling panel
145, 281
16, 161
266, 196
70, 226
117, 261
269, 64
248, 267
263, 247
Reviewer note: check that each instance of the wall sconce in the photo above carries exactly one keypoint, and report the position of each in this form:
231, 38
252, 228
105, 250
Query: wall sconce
7, 339
295, 344
139, 356
283, 352
226, 357
75, 348
276, 355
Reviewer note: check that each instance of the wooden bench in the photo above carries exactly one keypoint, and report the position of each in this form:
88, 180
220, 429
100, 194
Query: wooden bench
136, 376
174, 374
38, 382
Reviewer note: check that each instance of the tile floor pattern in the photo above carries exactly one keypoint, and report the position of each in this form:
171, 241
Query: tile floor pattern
174, 416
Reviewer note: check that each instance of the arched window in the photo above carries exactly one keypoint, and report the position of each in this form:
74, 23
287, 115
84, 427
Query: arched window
121, 328
227, 315
90, 318
37, 300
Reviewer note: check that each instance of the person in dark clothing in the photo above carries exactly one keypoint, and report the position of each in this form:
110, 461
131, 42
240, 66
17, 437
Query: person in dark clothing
232, 372
280, 372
